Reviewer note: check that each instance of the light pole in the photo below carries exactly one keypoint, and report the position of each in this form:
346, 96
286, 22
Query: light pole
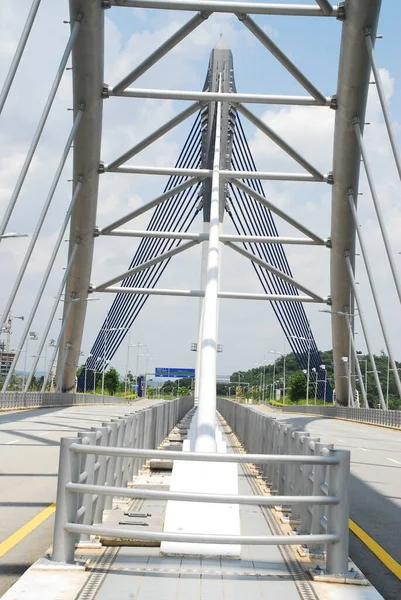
94, 379
148, 357
283, 357
315, 372
308, 339
323, 367
32, 336
86, 370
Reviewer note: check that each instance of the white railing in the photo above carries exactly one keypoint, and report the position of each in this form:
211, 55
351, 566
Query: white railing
388, 418
97, 466
12, 400
261, 433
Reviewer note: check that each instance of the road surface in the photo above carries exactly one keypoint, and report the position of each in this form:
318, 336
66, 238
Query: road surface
29, 446
375, 489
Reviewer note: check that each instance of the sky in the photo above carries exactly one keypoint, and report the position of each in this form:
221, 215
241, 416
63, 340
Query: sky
248, 331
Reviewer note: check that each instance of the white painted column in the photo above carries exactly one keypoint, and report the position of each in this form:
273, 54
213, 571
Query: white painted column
206, 417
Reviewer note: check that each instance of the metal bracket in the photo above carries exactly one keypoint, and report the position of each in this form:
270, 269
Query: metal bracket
90, 289
105, 91
106, 4
333, 102
328, 243
330, 178
341, 16
101, 168
96, 231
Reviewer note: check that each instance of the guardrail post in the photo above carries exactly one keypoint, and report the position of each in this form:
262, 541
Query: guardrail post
100, 476
87, 464
111, 466
319, 478
66, 502
120, 460
338, 514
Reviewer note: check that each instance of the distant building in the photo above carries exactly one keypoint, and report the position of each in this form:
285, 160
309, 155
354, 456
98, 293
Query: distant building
6, 359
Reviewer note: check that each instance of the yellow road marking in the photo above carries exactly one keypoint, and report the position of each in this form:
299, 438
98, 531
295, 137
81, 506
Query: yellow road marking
26, 529
374, 547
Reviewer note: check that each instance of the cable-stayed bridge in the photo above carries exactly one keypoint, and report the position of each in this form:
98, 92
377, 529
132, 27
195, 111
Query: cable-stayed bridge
214, 197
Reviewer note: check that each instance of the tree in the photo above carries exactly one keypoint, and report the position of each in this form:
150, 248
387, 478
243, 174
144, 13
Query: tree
297, 387
111, 381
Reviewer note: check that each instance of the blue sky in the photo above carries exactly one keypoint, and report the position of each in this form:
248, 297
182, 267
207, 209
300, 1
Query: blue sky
248, 333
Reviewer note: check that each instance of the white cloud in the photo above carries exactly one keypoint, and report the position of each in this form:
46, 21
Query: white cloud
168, 325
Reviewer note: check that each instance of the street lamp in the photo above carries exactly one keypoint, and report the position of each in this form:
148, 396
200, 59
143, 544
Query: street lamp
86, 370
148, 357
308, 339
12, 235
94, 374
137, 361
33, 336
323, 367
283, 357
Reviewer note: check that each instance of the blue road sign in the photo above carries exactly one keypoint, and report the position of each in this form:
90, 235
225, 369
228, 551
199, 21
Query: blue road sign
175, 373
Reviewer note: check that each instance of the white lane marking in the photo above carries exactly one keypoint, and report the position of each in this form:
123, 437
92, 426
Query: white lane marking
342, 441
394, 461
44, 433
13, 442
364, 449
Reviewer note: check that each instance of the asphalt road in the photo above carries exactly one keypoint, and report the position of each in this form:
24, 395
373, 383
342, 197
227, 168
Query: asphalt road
29, 446
375, 489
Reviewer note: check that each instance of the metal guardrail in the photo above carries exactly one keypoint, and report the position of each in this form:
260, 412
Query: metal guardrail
96, 467
389, 418
11, 400
144, 428
262, 434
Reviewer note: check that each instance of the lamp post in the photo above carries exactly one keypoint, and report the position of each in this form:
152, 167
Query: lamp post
94, 379
148, 357
323, 367
315, 372
308, 339
33, 337
283, 357
86, 370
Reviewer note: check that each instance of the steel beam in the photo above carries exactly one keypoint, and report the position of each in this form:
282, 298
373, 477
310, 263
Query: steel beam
277, 211
177, 235
233, 98
277, 272
168, 45
352, 90
190, 110
18, 53
376, 203
87, 64
268, 43
167, 171
383, 101
139, 211
300, 10
201, 294
76, 19
279, 141
145, 265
